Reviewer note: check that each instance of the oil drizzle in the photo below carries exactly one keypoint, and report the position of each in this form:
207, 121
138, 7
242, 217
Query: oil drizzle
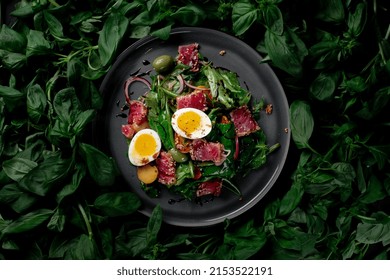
173, 201
122, 115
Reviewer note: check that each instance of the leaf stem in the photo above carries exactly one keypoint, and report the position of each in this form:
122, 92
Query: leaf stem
364, 218
387, 33
86, 220
54, 3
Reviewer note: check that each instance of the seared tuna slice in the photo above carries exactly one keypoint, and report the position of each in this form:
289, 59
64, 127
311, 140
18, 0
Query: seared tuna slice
202, 150
166, 166
243, 120
189, 55
212, 187
197, 99
136, 120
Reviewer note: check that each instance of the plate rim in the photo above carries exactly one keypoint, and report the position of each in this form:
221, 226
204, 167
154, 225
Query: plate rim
281, 163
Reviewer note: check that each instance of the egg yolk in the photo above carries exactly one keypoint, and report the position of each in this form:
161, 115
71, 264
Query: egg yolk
189, 122
145, 145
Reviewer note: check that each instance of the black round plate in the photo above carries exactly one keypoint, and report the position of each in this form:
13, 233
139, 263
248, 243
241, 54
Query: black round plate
257, 77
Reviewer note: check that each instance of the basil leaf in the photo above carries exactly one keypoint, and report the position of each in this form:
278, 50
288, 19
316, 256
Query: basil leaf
110, 37
302, 123
244, 14
46, 175
271, 210
25, 9
273, 19
24, 202
132, 243
154, 225
374, 191
57, 221
324, 86
37, 44
83, 248
291, 199
55, 26
12, 97
17, 168
10, 193
117, 204
66, 105
190, 15
13, 61
28, 222
286, 51
74, 70
235, 244
83, 118
357, 20
101, 168
11, 40
36, 103
373, 233
330, 10
162, 33
78, 174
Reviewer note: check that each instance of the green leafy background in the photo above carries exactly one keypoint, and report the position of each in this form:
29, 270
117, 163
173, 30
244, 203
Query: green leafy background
60, 197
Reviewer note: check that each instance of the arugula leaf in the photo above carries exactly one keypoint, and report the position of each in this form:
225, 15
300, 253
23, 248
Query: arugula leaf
225, 87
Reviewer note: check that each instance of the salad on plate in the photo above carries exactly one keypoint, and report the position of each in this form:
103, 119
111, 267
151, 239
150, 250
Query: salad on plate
195, 130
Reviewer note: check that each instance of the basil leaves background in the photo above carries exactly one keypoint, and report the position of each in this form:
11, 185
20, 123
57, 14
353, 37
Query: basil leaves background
60, 197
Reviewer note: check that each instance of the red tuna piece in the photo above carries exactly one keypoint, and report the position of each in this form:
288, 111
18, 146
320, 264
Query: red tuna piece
138, 113
166, 166
128, 131
243, 120
196, 99
202, 150
189, 55
137, 119
212, 187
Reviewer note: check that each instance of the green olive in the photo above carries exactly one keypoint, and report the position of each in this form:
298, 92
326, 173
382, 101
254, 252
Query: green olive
163, 63
177, 155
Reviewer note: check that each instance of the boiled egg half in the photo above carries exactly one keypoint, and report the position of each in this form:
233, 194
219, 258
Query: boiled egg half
144, 147
191, 123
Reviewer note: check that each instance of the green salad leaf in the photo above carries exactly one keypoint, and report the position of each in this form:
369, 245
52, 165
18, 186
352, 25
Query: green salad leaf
61, 198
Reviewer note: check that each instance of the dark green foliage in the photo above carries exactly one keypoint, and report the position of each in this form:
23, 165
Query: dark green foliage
60, 197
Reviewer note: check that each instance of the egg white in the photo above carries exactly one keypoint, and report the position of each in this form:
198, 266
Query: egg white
202, 130
139, 157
